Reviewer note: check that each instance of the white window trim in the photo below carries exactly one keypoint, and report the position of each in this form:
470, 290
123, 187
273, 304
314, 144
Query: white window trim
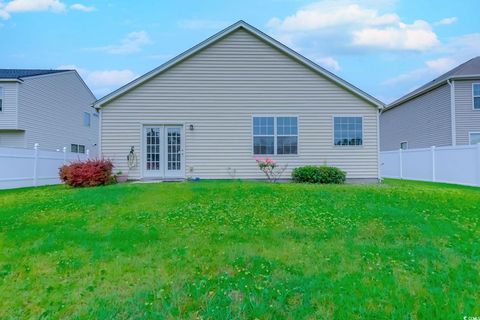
275, 116
401, 142
474, 96
470, 137
363, 131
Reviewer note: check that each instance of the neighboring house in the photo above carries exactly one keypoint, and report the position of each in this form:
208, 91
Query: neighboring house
239, 95
443, 112
50, 107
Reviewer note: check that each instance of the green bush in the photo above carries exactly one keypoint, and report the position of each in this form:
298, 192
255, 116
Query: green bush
318, 174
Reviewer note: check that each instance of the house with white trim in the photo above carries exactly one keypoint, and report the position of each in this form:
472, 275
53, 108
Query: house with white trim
443, 112
50, 107
238, 95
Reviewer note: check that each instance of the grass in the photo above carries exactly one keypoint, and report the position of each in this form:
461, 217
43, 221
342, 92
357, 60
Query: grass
229, 250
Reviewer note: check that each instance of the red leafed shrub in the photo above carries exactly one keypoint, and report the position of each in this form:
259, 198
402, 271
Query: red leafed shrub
88, 173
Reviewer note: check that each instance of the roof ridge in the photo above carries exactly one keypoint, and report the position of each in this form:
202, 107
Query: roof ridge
25, 73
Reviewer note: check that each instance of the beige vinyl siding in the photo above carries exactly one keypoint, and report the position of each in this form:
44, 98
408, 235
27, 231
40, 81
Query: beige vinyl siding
9, 114
218, 90
423, 122
10, 138
51, 112
466, 118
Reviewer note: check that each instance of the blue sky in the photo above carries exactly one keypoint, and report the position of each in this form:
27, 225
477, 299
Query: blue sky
384, 47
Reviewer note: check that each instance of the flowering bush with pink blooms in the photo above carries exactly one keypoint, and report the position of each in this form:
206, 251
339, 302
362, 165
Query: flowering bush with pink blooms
270, 168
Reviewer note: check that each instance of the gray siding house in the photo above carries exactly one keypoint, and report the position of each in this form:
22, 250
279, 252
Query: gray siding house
50, 107
443, 112
238, 95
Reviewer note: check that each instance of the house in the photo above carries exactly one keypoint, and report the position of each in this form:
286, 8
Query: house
240, 94
50, 107
443, 112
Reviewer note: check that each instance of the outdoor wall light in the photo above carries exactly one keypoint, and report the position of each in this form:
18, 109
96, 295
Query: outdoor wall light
191, 127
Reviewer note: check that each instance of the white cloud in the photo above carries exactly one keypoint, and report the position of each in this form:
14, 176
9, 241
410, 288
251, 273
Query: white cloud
3, 13
202, 24
133, 42
430, 70
35, 5
417, 36
110, 78
328, 63
329, 13
81, 7
464, 46
22, 6
452, 53
103, 82
446, 21
441, 64
352, 26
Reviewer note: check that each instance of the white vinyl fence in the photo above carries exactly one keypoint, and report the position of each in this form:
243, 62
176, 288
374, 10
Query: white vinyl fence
33, 167
458, 164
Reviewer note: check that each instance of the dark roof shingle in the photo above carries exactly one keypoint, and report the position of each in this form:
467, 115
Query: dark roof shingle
23, 73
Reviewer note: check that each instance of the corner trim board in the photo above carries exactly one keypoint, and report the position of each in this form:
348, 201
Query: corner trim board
451, 83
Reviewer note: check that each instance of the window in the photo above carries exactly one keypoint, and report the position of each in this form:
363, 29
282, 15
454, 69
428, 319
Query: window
348, 131
476, 96
1, 99
263, 135
404, 145
474, 137
77, 148
86, 119
287, 135
275, 135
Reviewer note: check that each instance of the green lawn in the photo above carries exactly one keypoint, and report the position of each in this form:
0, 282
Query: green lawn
223, 250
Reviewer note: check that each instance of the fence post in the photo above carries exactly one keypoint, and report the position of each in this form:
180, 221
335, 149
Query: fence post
35, 163
434, 177
64, 155
478, 164
88, 154
400, 162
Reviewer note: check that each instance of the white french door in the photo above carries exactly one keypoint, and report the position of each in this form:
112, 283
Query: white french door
174, 152
153, 152
163, 151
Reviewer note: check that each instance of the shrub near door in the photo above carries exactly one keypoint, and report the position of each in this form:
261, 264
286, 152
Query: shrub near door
318, 174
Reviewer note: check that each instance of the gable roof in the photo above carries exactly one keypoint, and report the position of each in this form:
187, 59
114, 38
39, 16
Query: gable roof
225, 32
23, 73
467, 70
16, 75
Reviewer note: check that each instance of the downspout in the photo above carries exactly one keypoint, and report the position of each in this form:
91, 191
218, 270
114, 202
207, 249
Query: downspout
378, 145
99, 142
452, 111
